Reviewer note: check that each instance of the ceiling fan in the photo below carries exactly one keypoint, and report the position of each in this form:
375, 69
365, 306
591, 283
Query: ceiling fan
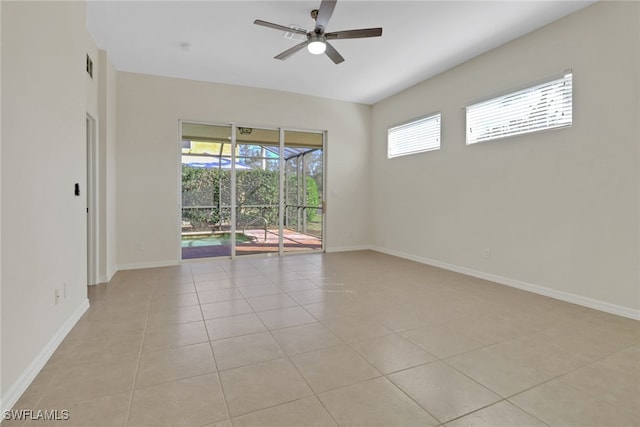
318, 40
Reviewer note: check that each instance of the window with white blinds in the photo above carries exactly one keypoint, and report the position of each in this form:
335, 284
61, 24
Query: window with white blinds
545, 106
414, 137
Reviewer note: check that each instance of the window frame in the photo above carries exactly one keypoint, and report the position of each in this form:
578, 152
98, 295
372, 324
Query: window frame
430, 146
522, 91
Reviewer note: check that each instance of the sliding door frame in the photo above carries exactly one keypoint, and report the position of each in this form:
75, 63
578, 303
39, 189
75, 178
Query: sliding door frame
234, 213
233, 191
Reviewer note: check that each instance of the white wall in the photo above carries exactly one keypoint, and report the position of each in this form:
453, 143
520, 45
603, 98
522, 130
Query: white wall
91, 83
147, 157
559, 210
45, 98
89, 189
106, 168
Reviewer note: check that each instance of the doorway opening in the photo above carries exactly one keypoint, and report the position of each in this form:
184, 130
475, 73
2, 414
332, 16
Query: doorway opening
250, 191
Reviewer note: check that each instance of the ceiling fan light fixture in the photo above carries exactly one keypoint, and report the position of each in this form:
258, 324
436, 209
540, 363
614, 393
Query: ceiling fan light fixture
317, 47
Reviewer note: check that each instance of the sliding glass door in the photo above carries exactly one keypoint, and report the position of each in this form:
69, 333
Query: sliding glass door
257, 179
303, 157
248, 191
206, 191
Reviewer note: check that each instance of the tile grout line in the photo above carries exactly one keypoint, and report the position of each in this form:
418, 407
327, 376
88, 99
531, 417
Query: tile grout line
382, 375
296, 367
511, 395
215, 363
288, 357
135, 376
399, 333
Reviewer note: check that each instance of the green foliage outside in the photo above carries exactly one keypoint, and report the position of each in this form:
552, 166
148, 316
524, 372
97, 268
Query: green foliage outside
313, 198
201, 187
257, 195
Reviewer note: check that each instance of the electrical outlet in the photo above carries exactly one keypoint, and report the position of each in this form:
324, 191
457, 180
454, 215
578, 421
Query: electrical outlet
486, 253
56, 294
140, 246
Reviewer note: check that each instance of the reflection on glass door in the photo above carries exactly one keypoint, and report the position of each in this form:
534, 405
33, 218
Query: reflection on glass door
257, 174
206, 200
303, 168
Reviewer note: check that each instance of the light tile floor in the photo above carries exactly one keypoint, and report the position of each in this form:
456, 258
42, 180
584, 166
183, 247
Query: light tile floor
349, 339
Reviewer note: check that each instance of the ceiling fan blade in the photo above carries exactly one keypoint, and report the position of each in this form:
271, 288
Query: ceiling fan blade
287, 53
354, 34
278, 27
333, 54
324, 14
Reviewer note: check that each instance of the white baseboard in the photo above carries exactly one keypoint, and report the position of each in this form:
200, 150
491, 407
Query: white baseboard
111, 272
348, 248
152, 264
106, 278
23, 382
541, 290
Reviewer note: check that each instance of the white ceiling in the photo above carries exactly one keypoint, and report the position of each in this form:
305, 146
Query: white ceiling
420, 39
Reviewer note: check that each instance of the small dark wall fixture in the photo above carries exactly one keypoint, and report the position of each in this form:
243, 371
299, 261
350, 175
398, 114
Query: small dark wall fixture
76, 189
89, 66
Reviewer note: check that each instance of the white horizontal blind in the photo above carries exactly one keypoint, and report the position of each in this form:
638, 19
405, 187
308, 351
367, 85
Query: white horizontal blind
414, 137
545, 106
